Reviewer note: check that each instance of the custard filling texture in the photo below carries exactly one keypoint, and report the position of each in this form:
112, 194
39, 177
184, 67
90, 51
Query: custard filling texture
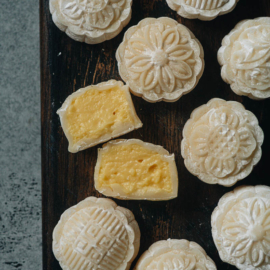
135, 168
96, 113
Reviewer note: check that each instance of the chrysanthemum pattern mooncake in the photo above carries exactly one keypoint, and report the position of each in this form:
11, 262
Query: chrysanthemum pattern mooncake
160, 59
221, 142
241, 228
245, 58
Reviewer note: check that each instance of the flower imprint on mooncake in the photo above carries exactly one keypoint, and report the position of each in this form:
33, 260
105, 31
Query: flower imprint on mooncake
241, 228
221, 142
91, 21
96, 234
160, 59
202, 9
245, 58
175, 255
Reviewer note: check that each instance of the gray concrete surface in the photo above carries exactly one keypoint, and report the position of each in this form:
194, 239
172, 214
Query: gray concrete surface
20, 165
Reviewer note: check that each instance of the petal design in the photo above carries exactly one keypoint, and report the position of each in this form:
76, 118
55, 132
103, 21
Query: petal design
139, 46
252, 48
72, 10
178, 53
256, 209
167, 79
149, 79
139, 63
155, 38
224, 116
101, 19
170, 38
198, 140
247, 143
181, 70
218, 167
256, 254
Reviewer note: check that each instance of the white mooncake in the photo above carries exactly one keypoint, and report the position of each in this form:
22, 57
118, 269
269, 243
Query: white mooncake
160, 59
241, 227
96, 114
175, 255
245, 58
133, 169
91, 21
221, 142
96, 234
205, 10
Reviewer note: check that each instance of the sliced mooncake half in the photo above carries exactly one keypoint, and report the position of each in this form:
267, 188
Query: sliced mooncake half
96, 234
174, 254
96, 114
133, 169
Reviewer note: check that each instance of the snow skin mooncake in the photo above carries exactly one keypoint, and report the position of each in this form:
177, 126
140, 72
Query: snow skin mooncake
221, 142
205, 10
97, 113
245, 58
241, 227
136, 170
91, 21
160, 59
96, 234
175, 255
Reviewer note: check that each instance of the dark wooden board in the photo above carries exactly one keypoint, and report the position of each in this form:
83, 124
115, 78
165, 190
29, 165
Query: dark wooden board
67, 65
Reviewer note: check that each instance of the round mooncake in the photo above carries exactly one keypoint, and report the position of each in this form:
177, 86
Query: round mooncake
245, 58
160, 59
221, 142
91, 21
96, 234
241, 227
175, 255
205, 10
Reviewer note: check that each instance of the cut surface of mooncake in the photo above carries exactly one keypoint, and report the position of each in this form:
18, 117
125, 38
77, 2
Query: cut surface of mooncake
96, 114
133, 169
245, 58
205, 10
160, 59
91, 21
96, 234
173, 254
241, 227
221, 142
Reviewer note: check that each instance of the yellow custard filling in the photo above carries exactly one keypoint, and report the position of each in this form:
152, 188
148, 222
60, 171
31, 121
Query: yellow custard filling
135, 168
97, 112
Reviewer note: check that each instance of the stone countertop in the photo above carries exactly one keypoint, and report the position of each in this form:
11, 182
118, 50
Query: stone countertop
20, 162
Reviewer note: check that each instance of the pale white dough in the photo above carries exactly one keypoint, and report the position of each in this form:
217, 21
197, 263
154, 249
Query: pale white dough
221, 142
245, 58
175, 255
91, 21
160, 59
205, 10
96, 234
241, 227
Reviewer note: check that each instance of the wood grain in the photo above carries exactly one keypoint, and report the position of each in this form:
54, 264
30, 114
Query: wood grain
67, 65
